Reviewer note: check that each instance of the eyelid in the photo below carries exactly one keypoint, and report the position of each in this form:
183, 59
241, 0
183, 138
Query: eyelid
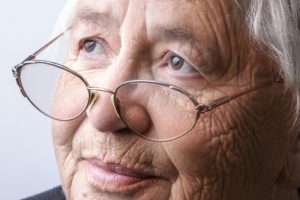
97, 39
93, 59
170, 54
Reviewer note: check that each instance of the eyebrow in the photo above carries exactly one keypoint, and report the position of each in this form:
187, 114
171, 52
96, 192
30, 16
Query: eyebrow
94, 17
181, 34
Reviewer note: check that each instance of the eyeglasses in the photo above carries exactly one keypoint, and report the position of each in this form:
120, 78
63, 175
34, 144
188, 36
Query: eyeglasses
63, 94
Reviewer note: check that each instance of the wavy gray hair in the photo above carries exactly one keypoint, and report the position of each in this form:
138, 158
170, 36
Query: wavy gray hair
276, 25
273, 23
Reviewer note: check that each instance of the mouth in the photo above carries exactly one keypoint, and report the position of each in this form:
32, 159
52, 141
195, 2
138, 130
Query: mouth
112, 177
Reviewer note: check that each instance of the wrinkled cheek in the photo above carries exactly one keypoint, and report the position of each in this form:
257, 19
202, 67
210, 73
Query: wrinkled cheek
63, 132
69, 102
77, 185
67, 164
195, 152
210, 151
63, 137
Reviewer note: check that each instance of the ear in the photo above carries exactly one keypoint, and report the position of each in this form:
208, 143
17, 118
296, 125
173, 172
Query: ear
289, 178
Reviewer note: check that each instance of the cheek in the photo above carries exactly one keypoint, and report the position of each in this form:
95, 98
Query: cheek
236, 143
196, 152
63, 134
212, 154
70, 100
64, 131
71, 97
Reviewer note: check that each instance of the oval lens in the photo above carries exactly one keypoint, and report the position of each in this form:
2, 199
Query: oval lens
154, 111
54, 91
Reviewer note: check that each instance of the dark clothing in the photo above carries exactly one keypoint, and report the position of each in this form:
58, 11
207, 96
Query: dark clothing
58, 194
53, 194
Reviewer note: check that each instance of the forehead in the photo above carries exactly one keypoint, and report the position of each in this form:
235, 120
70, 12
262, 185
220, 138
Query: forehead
123, 6
158, 11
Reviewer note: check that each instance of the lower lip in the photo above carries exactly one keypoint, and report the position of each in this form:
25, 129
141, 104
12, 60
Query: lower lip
107, 179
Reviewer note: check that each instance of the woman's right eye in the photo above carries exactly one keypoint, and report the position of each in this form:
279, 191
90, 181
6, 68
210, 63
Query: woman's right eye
92, 48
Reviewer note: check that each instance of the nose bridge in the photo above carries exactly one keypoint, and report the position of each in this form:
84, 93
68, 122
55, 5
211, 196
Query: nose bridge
102, 112
134, 45
125, 66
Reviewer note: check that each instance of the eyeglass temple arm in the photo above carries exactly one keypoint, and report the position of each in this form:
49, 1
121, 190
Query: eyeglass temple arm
215, 103
32, 56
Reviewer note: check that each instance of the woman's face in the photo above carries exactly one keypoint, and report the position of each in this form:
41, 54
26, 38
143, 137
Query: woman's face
234, 152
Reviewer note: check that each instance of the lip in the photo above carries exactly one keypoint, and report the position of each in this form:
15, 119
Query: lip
116, 178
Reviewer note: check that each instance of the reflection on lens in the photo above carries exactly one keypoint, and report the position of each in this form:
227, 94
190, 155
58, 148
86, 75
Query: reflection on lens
171, 112
54, 91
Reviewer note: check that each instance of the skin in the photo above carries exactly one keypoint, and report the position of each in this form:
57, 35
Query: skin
236, 151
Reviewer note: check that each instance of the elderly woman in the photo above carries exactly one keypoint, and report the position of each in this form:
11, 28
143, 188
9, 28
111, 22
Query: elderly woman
173, 99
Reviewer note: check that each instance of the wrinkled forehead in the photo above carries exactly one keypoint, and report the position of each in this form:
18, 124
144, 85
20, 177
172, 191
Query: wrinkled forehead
180, 12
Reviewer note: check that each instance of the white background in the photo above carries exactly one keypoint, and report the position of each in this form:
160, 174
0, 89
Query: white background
27, 161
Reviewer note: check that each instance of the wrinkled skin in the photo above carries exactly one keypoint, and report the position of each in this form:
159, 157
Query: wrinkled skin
236, 151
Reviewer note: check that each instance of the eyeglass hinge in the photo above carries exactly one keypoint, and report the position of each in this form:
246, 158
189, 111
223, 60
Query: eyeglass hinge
16, 75
15, 72
202, 108
213, 104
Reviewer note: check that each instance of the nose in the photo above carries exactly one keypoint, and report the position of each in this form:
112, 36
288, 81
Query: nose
107, 113
101, 112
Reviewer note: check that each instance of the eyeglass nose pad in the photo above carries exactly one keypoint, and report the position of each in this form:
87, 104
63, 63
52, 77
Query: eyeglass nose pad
116, 104
93, 101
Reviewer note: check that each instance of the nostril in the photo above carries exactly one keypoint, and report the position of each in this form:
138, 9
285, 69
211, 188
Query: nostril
136, 118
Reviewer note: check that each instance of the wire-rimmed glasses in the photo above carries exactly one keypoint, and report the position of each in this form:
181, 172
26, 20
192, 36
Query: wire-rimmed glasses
63, 94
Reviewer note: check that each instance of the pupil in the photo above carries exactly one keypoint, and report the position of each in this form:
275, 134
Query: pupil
176, 62
89, 45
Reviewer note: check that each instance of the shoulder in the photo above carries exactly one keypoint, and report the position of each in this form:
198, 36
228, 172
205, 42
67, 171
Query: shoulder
52, 194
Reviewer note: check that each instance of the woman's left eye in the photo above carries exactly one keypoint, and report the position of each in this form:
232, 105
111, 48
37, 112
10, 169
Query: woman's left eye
92, 47
178, 64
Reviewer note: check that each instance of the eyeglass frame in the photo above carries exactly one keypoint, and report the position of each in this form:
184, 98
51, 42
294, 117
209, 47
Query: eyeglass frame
200, 108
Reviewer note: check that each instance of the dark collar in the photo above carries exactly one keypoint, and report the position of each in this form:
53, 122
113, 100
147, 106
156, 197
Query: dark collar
53, 194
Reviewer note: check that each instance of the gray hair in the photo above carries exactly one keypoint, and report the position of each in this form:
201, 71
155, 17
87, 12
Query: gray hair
275, 24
